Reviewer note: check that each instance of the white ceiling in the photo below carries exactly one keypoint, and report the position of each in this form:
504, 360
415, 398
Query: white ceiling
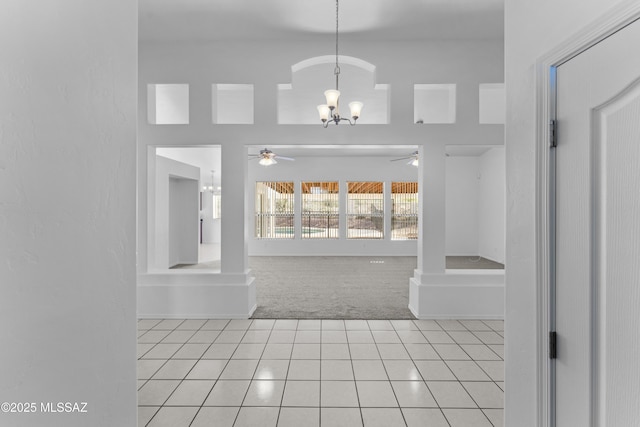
192, 20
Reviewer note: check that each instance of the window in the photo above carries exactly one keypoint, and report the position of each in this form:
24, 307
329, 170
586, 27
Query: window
320, 210
274, 210
404, 210
217, 208
365, 210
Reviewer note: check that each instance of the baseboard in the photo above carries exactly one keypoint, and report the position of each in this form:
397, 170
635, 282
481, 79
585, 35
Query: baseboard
253, 310
453, 296
460, 317
184, 300
193, 316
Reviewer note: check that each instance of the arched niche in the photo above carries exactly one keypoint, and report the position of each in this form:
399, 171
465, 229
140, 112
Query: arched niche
297, 100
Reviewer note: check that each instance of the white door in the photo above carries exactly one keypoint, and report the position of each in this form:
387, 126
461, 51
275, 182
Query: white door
598, 235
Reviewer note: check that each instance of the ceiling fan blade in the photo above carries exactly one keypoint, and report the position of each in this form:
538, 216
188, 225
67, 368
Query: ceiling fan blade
401, 158
285, 158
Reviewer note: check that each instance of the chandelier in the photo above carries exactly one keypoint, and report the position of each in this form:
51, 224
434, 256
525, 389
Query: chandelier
211, 188
329, 112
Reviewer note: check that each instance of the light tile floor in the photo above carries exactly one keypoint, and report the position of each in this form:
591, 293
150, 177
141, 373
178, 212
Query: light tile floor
299, 373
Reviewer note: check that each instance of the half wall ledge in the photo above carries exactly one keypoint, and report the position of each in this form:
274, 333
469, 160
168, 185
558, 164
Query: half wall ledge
196, 296
457, 294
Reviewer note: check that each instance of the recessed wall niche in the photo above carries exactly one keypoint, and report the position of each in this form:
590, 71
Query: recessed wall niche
492, 103
168, 104
297, 101
232, 103
434, 103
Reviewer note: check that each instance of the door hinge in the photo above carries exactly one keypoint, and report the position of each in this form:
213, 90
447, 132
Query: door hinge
553, 345
553, 133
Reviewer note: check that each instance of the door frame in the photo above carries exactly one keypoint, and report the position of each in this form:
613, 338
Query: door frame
614, 20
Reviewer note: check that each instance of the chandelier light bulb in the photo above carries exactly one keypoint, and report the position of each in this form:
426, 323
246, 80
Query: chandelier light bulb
332, 96
356, 109
324, 111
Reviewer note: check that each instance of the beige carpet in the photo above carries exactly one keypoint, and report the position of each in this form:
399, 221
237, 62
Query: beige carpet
339, 287
332, 287
355, 287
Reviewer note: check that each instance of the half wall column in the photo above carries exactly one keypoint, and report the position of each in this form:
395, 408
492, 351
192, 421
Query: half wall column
234, 243
431, 224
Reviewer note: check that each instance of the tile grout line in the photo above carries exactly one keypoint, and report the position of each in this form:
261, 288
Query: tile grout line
472, 359
200, 359
395, 328
188, 372
441, 408
424, 380
353, 373
167, 360
390, 383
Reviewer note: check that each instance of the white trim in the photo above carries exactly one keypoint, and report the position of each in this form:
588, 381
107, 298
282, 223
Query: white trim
331, 59
446, 296
191, 316
413, 311
617, 18
460, 317
192, 301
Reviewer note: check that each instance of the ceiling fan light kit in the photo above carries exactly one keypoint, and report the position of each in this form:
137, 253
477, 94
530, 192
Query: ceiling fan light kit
329, 112
267, 161
268, 157
414, 159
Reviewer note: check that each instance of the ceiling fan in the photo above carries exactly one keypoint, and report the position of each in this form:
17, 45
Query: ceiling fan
413, 159
268, 157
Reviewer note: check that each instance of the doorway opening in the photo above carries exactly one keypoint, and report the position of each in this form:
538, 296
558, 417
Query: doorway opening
184, 199
332, 236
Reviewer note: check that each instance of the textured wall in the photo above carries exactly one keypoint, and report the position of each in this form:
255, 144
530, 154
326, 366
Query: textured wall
491, 205
531, 30
461, 205
67, 209
266, 64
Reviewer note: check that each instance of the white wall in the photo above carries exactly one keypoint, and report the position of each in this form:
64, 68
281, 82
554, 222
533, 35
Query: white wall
211, 231
207, 159
67, 209
491, 205
461, 200
166, 214
475, 188
265, 64
342, 169
184, 221
530, 32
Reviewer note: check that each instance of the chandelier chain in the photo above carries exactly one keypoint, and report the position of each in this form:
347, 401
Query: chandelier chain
336, 71
329, 112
